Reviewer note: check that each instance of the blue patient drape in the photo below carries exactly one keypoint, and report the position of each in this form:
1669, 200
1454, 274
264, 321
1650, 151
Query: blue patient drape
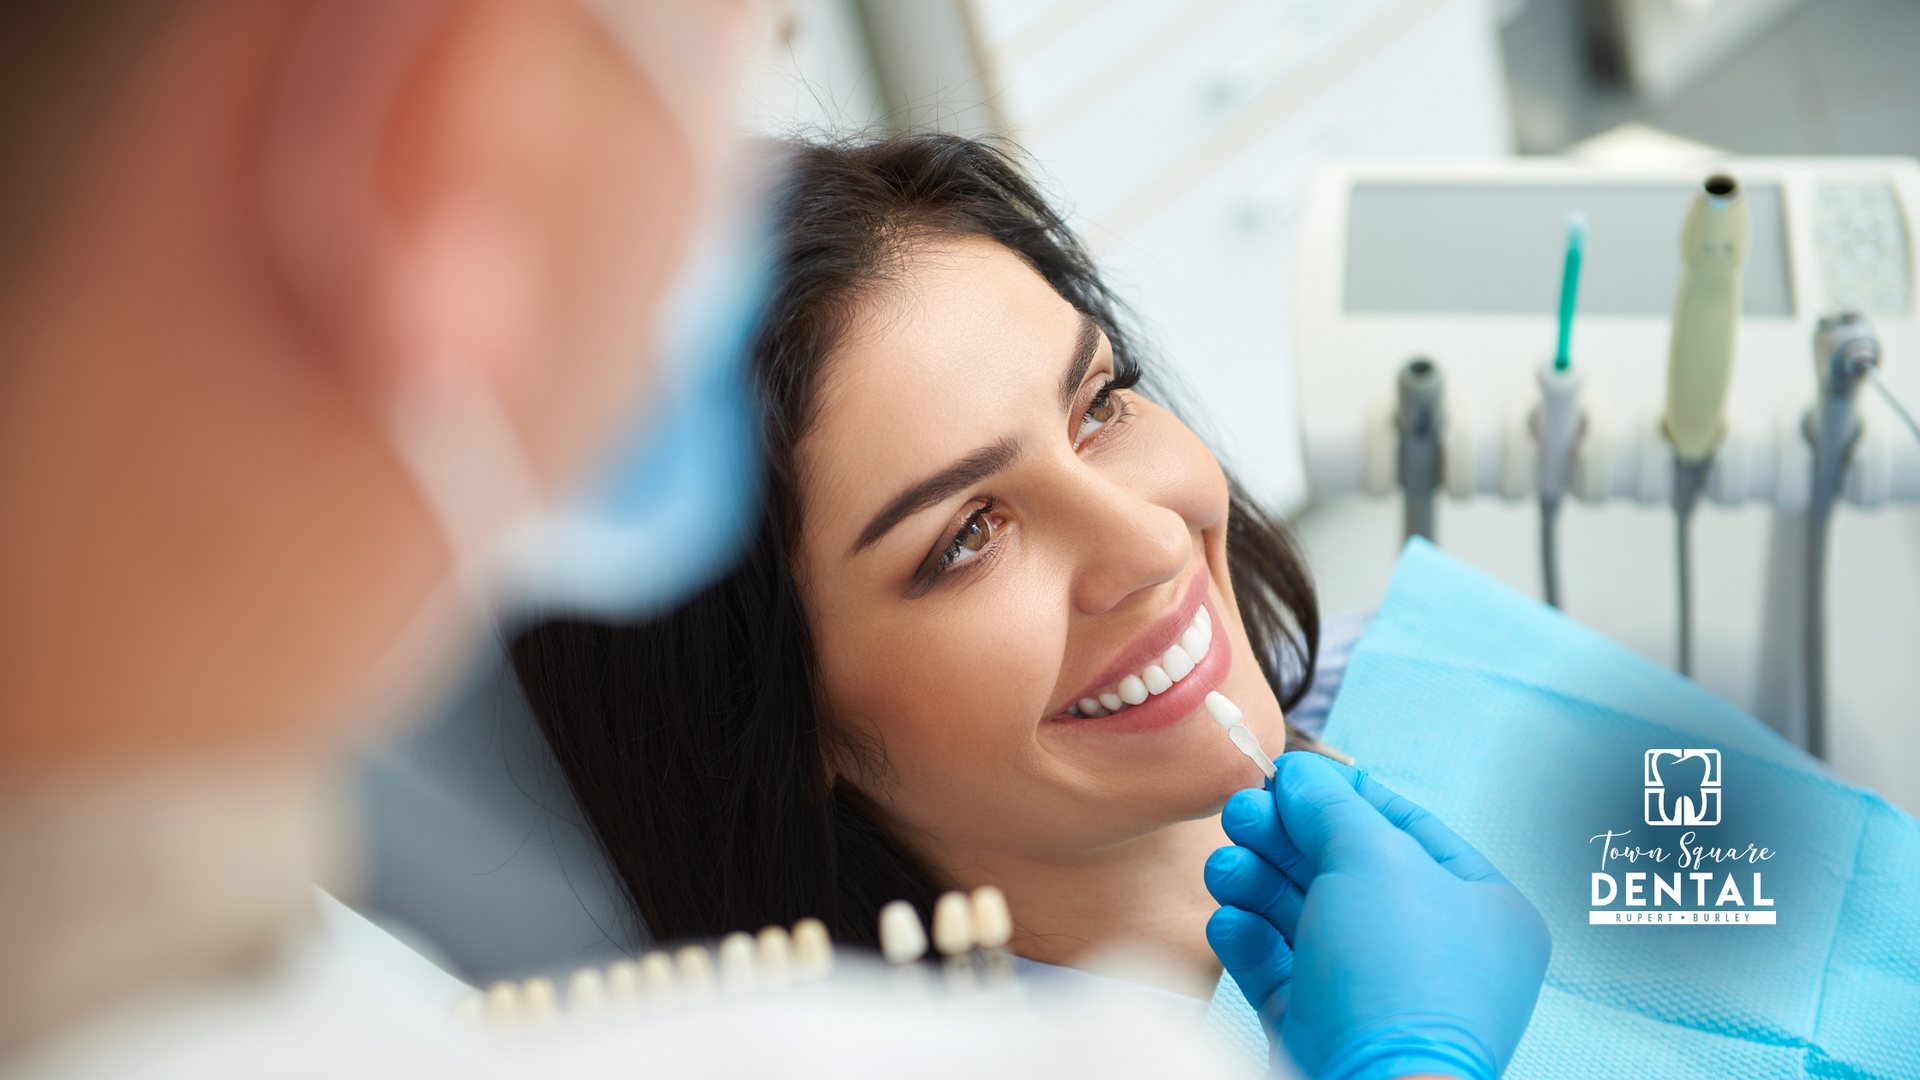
1530, 736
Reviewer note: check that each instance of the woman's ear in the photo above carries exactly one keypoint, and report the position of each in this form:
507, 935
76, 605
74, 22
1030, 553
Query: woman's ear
484, 189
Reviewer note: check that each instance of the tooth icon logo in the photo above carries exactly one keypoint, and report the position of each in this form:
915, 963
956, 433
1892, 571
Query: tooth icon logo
1683, 787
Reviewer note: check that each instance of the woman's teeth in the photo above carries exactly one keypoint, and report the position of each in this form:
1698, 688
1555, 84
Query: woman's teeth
1156, 678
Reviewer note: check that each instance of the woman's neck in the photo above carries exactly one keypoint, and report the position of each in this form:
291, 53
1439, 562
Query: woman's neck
1138, 911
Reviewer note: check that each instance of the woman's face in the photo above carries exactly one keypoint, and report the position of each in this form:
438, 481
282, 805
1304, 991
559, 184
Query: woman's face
992, 536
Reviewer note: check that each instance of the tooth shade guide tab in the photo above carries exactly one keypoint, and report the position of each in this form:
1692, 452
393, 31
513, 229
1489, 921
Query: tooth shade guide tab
736, 964
586, 992
623, 981
503, 1004
992, 921
774, 953
812, 951
902, 937
539, 999
656, 976
953, 924
1224, 712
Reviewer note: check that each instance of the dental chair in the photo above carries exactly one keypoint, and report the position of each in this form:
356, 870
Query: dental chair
476, 854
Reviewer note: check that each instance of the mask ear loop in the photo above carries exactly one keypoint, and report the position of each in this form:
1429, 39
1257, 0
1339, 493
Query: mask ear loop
465, 456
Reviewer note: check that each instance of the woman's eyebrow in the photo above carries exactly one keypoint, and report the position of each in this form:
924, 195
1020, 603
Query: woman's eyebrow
957, 477
1083, 350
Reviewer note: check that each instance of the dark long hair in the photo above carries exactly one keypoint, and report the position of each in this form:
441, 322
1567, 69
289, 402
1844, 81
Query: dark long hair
696, 744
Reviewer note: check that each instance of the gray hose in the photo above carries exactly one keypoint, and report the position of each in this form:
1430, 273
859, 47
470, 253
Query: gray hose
1689, 480
1549, 550
1422, 420
1845, 352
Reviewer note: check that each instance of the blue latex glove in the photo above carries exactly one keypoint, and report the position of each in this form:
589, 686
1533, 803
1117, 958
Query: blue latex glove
1378, 942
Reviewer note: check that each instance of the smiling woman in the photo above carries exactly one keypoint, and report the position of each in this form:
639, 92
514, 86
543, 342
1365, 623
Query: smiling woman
996, 580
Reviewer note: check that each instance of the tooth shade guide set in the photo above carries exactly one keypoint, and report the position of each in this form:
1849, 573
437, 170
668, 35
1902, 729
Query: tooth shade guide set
773, 960
969, 931
1156, 678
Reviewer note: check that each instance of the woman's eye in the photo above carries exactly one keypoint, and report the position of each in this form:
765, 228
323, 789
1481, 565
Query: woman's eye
971, 540
1099, 411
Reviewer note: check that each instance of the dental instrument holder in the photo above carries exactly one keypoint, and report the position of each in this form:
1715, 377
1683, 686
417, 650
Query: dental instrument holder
1706, 315
1845, 353
1557, 425
1422, 421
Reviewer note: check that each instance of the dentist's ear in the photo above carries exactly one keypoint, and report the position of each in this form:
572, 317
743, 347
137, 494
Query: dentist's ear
485, 194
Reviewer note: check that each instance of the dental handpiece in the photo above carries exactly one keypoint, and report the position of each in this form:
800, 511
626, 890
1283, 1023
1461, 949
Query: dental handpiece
1227, 715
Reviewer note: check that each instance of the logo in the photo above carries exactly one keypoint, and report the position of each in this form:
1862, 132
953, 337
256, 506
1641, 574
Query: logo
1683, 787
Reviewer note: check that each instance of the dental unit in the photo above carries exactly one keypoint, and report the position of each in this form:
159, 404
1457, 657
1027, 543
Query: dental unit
1155, 678
1706, 319
1445, 262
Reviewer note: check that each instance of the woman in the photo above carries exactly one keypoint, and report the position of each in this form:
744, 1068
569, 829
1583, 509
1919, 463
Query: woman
950, 659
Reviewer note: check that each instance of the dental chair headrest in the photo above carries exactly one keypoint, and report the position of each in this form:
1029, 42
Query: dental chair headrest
475, 844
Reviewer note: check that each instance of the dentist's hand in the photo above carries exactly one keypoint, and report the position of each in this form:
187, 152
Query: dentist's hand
1378, 943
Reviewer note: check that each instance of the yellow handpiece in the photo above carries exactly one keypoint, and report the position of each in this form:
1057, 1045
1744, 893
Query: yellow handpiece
1706, 316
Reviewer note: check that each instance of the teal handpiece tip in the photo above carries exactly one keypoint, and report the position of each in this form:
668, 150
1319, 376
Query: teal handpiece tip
1570, 286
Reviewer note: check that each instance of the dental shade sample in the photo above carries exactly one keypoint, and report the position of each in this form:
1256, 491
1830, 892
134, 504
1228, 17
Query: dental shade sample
1227, 715
953, 924
902, 938
992, 922
774, 947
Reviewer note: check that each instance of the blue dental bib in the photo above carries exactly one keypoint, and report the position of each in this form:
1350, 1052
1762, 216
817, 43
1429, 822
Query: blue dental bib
1567, 759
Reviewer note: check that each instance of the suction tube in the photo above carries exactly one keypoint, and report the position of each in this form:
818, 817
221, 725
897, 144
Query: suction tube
1845, 354
1706, 316
1422, 421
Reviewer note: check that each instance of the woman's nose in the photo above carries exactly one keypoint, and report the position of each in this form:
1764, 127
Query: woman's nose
1120, 544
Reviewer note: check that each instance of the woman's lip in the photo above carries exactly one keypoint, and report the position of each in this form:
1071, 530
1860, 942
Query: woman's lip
1152, 643
1181, 701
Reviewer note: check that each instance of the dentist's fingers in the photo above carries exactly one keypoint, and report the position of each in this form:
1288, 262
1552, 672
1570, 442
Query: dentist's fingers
1252, 820
1242, 879
1327, 820
1253, 953
1459, 857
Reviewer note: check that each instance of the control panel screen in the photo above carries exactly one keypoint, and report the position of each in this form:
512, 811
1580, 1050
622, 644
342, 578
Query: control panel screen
1483, 248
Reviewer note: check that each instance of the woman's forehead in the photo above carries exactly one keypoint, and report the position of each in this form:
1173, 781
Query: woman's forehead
964, 346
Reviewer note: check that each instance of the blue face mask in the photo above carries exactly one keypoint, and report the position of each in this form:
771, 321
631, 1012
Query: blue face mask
676, 502
669, 508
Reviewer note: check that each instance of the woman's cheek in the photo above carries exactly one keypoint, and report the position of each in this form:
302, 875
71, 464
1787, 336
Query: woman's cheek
1178, 471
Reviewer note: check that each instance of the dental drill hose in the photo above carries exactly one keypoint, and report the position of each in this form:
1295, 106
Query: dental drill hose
1557, 427
1421, 419
1706, 316
1845, 354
